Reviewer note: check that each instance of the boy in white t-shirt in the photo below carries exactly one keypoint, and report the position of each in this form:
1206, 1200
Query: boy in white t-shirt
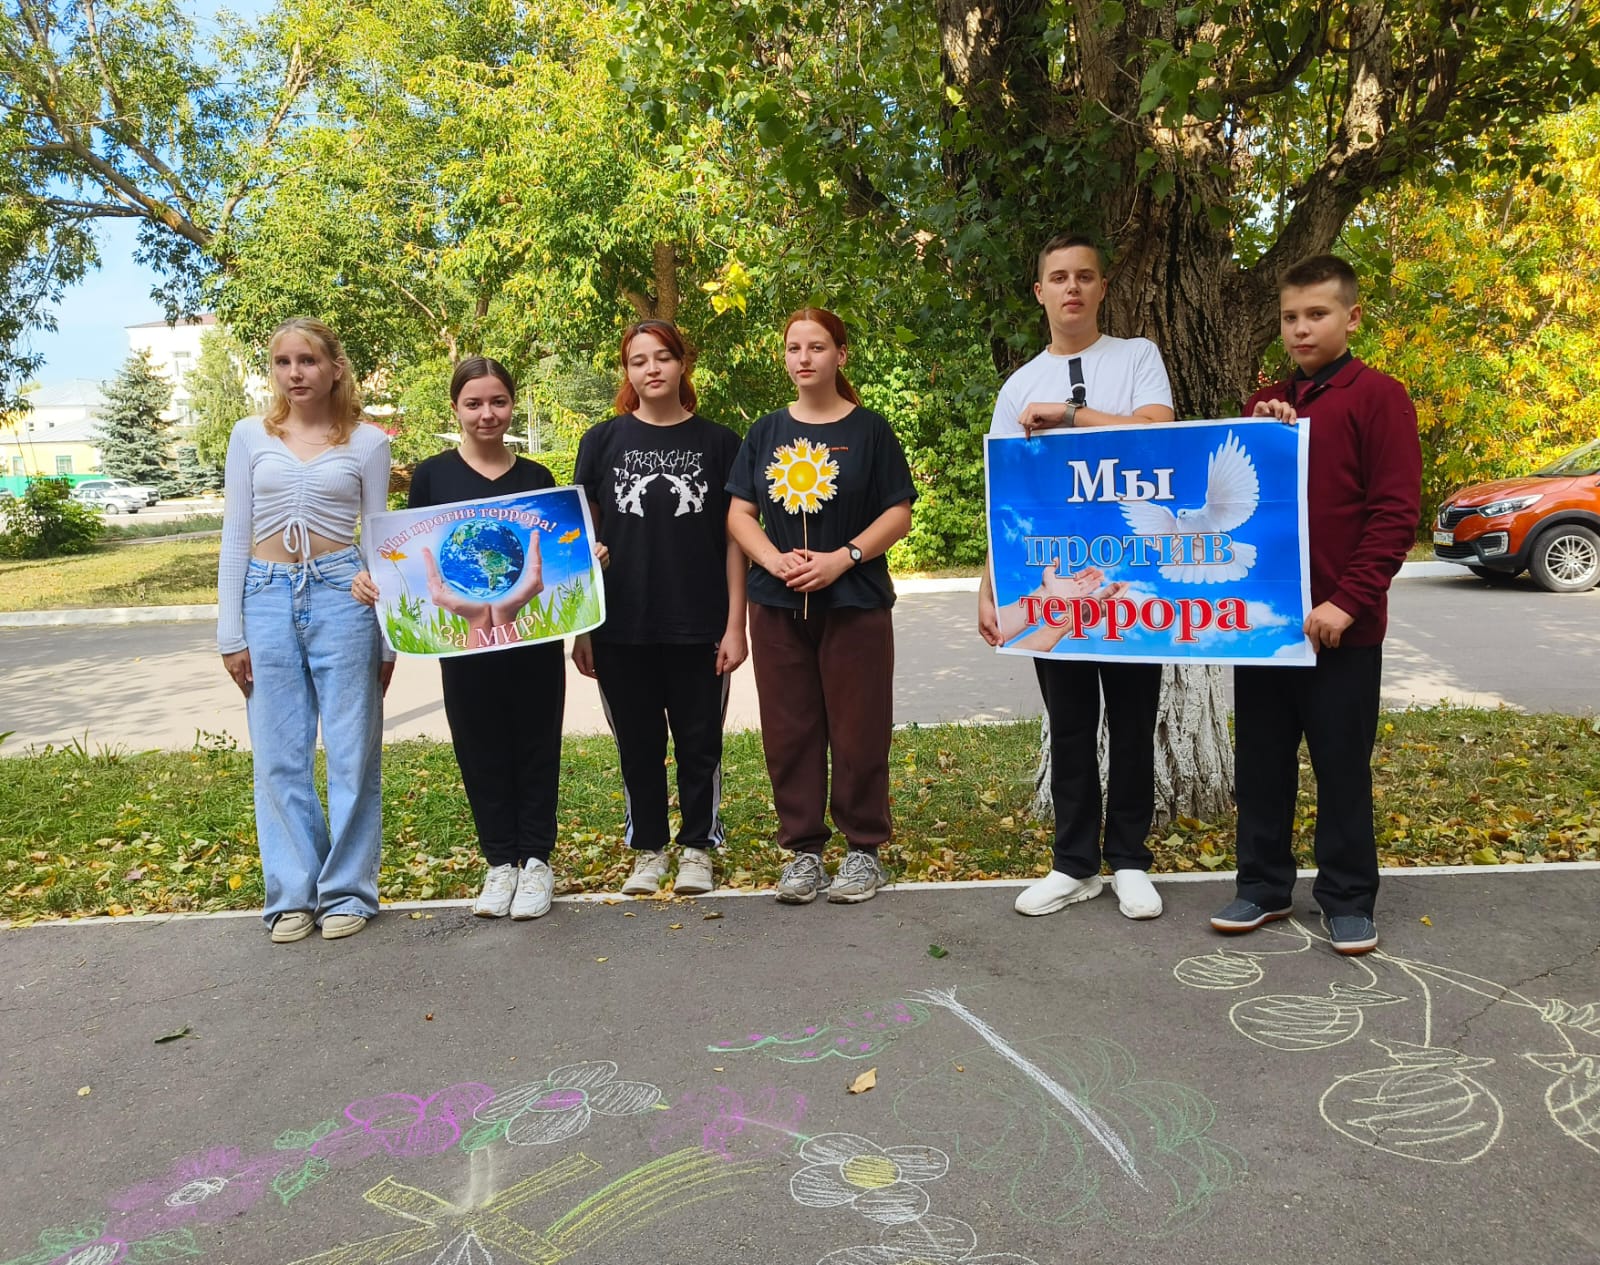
1086, 378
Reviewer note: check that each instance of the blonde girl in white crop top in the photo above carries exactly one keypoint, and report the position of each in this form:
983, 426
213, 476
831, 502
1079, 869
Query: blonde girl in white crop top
299, 481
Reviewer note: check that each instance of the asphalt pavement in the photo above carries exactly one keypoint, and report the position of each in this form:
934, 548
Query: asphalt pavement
672, 1082
1452, 639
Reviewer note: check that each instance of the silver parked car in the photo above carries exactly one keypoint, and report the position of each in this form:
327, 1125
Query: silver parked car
141, 492
106, 500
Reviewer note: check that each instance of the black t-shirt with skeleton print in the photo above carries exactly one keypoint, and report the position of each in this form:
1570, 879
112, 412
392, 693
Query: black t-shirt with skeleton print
662, 510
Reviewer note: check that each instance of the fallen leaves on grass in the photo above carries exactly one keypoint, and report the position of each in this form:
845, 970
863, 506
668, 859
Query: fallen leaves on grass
85, 830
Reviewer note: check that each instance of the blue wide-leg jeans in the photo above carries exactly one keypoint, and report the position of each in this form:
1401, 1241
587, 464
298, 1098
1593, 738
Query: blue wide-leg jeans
315, 651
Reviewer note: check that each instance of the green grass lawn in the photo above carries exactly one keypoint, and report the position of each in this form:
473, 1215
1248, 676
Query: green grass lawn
172, 573
93, 832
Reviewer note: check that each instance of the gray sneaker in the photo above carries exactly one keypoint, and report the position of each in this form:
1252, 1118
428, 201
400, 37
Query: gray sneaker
695, 877
649, 868
802, 879
859, 878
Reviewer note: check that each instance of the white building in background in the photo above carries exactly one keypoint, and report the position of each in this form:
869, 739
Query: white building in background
58, 435
174, 351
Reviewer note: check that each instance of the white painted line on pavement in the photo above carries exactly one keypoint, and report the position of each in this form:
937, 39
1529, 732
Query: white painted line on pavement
725, 893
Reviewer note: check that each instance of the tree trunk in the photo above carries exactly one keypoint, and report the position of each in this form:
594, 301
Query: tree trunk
1193, 750
662, 304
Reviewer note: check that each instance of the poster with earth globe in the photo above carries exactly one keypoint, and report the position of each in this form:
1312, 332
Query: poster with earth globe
476, 576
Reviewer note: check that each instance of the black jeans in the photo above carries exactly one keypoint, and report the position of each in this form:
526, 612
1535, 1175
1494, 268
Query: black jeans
1335, 706
644, 689
505, 712
1071, 689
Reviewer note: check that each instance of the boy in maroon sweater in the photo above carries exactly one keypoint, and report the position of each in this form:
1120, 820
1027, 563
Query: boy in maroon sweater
1363, 498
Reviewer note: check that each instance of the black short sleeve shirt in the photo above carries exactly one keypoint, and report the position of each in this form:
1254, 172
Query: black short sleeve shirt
662, 511
817, 487
446, 478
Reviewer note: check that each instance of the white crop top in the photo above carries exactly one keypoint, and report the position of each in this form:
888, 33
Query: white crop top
267, 489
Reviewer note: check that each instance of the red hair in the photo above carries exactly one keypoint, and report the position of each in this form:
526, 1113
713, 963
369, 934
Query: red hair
841, 339
627, 398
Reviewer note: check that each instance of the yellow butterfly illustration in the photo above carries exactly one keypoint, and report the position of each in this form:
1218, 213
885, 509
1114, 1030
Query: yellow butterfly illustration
571, 536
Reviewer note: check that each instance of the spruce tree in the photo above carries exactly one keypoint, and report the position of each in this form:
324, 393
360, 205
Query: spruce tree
134, 439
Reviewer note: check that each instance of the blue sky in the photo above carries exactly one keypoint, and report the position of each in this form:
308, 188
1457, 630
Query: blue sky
90, 341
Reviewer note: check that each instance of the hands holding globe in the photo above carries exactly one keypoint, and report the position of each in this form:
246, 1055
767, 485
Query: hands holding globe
500, 610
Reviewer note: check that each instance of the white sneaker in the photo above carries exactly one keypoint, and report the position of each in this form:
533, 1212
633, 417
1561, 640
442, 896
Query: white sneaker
499, 886
1136, 894
649, 868
536, 883
694, 873
1056, 891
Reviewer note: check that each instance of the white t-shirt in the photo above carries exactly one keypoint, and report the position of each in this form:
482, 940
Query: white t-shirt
1119, 375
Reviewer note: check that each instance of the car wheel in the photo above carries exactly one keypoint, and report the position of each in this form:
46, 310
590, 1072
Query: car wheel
1566, 559
1490, 576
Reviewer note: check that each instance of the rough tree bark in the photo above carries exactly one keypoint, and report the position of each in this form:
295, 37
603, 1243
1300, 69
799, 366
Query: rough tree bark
1175, 275
662, 303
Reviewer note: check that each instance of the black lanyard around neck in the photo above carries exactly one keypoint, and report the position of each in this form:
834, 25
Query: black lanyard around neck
1080, 393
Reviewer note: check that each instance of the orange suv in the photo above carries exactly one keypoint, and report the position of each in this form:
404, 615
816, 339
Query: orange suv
1547, 524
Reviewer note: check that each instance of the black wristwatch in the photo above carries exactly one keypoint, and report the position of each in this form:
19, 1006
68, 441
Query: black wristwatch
855, 554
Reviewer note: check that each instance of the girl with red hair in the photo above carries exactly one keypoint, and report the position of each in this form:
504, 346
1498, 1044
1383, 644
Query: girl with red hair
821, 490
675, 606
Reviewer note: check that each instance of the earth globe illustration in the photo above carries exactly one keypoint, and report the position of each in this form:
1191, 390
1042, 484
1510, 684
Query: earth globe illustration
481, 559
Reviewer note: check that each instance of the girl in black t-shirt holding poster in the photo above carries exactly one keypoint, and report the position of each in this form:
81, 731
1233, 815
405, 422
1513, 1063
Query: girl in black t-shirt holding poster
675, 607
504, 709
830, 482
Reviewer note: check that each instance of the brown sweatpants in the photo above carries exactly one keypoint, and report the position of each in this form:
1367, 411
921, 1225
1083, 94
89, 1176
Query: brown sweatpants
824, 683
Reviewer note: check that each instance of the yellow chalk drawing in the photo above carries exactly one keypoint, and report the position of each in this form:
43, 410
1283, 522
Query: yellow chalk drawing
454, 1235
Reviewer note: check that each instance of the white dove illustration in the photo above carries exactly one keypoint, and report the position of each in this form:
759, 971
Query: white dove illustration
1232, 493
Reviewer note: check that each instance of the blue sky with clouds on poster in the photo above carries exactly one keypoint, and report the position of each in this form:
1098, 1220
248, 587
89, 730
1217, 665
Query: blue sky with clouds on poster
1032, 517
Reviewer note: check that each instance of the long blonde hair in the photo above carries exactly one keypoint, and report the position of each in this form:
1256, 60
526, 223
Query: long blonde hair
344, 404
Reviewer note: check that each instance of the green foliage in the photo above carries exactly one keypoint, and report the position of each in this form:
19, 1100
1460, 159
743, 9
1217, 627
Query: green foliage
1487, 306
217, 395
44, 523
126, 108
454, 176
134, 438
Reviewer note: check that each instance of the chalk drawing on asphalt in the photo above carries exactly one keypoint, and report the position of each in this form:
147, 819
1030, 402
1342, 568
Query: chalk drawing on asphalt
1226, 969
1423, 1105
1426, 1104
731, 1123
560, 1106
1090, 1121
991, 1113
883, 1184
928, 1241
1298, 1022
498, 1233
860, 1035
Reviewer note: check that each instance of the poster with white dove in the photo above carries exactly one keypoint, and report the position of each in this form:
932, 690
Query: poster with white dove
1177, 543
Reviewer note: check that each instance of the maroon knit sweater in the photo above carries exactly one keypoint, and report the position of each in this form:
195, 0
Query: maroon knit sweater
1363, 489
